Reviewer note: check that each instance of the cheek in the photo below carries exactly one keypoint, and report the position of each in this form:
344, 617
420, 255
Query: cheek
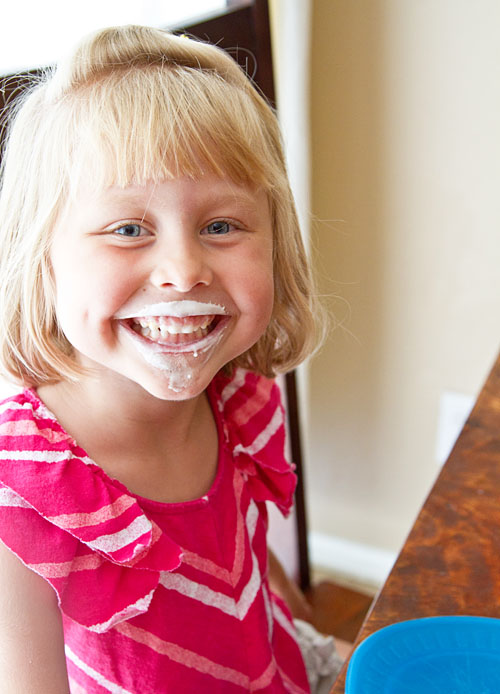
93, 286
265, 298
259, 291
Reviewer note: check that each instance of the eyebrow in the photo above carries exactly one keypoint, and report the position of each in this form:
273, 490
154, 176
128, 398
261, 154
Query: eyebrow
247, 199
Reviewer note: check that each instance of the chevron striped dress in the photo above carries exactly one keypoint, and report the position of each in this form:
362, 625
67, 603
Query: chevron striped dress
157, 597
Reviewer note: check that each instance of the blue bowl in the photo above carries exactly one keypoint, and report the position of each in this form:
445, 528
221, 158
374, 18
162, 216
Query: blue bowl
445, 655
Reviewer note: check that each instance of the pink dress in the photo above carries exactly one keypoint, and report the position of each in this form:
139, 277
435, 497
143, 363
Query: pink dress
157, 597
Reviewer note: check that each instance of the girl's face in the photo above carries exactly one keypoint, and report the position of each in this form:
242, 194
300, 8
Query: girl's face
164, 284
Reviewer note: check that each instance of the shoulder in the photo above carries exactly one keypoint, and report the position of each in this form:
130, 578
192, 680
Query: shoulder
24, 416
12, 407
246, 389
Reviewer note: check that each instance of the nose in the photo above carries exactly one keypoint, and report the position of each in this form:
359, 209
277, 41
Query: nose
182, 268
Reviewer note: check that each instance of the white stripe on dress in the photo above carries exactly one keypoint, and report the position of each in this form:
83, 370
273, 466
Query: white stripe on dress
233, 386
263, 438
94, 675
10, 498
36, 456
128, 612
116, 541
283, 621
106, 513
13, 405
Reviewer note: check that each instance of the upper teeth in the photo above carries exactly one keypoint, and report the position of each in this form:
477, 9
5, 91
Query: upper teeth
168, 326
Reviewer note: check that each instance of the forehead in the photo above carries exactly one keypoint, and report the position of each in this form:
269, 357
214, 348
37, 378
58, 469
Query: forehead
195, 199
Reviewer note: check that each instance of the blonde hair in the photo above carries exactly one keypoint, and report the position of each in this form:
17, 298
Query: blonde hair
135, 104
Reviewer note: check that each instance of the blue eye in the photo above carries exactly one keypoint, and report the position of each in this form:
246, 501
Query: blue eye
129, 230
219, 228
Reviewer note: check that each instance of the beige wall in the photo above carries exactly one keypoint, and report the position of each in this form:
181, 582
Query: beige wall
405, 155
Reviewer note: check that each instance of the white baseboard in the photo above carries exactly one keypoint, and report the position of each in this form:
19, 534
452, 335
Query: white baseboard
359, 563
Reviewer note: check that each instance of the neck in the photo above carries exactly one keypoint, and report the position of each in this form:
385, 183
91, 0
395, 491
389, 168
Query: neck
161, 449
125, 406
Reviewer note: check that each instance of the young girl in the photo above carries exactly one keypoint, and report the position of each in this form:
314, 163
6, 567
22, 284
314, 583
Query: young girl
152, 279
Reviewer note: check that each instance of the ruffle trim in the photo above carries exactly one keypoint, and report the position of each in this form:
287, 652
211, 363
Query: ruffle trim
105, 555
254, 426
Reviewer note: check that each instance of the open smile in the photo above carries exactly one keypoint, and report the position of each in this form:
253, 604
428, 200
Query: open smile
175, 326
174, 334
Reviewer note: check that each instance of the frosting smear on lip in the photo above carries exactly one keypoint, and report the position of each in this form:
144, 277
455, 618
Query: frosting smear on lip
174, 309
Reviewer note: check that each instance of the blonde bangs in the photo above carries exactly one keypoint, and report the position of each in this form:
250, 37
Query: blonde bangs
163, 122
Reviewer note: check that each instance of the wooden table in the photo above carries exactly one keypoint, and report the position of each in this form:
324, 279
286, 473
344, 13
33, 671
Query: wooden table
450, 563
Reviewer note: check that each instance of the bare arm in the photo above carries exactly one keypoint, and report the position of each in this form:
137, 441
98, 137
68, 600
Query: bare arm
31, 637
288, 590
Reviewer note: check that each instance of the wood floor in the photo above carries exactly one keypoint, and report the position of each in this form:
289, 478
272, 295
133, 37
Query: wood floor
337, 610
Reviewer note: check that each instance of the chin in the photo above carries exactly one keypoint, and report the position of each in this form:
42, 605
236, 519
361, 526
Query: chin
176, 386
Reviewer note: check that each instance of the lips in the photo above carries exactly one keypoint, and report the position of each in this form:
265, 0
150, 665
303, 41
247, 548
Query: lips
174, 326
171, 334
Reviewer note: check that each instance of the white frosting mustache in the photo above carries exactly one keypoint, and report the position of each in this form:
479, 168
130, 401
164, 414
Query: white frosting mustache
177, 309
